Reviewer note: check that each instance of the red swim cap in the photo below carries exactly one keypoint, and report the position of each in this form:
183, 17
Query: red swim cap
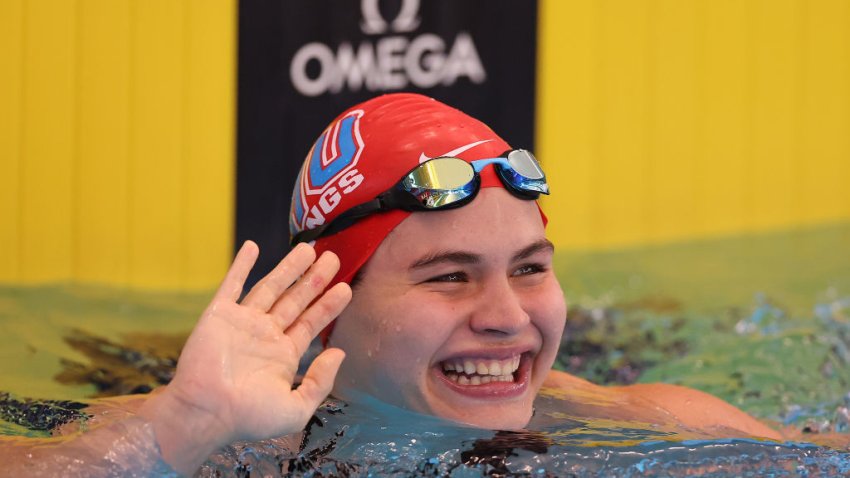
367, 150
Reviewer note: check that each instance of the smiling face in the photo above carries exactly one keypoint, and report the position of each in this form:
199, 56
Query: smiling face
458, 314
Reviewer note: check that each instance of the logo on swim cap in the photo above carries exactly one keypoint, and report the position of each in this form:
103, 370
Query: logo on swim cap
328, 173
423, 157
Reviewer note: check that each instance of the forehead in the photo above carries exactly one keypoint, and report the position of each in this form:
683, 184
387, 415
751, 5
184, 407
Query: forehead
495, 224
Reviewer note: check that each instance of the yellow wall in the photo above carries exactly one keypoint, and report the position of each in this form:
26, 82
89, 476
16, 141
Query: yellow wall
669, 119
658, 120
116, 140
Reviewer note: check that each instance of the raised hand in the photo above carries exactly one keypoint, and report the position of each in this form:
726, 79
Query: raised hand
234, 377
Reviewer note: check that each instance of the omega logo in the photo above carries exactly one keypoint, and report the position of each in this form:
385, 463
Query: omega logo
389, 62
374, 23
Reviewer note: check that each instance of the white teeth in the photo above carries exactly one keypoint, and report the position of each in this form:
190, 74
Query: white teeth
481, 371
495, 368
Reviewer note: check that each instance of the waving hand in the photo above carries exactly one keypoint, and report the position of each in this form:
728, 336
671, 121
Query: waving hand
234, 377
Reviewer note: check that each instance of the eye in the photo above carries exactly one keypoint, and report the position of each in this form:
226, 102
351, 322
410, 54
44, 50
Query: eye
529, 269
450, 277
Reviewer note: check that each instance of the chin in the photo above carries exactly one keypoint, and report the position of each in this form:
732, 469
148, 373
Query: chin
518, 422
503, 418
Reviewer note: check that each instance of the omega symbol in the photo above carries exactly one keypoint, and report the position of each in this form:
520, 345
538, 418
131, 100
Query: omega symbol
374, 23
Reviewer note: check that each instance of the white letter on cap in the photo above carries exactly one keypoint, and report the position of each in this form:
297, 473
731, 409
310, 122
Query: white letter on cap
329, 200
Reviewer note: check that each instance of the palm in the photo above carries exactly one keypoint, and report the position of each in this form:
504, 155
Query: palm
240, 361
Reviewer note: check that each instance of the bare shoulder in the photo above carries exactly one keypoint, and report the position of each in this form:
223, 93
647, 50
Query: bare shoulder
661, 402
700, 410
562, 380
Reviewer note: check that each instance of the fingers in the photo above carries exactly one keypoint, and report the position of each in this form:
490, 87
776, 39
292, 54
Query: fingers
319, 379
266, 292
305, 291
318, 316
234, 280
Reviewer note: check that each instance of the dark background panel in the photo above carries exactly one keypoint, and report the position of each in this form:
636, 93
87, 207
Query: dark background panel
277, 124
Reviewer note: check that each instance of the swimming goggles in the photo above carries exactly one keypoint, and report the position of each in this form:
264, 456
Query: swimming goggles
443, 183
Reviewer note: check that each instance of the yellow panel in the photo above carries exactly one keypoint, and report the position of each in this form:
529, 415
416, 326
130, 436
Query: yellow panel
665, 120
775, 121
118, 124
47, 147
621, 166
156, 155
567, 116
210, 70
725, 124
825, 122
11, 91
102, 240
673, 121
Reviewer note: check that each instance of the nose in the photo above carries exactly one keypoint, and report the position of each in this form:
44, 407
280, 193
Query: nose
499, 311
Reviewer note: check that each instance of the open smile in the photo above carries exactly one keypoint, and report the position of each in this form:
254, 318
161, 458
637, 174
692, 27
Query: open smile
481, 371
485, 377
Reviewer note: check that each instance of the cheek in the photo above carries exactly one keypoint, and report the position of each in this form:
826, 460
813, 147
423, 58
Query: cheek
408, 343
393, 343
400, 363
359, 333
549, 312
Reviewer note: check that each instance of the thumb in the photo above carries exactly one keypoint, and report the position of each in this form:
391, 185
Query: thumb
319, 379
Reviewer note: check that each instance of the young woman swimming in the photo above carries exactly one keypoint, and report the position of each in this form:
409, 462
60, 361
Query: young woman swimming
456, 312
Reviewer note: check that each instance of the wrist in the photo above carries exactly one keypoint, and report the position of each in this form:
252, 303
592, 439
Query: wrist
186, 434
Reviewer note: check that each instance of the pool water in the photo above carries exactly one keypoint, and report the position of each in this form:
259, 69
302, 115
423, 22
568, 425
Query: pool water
763, 321
370, 439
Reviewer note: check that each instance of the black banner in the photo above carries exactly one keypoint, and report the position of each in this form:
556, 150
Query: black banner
302, 62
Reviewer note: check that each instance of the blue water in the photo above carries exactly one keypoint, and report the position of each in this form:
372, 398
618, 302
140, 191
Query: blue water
380, 440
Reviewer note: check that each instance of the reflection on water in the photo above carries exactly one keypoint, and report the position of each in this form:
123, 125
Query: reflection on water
761, 321
140, 364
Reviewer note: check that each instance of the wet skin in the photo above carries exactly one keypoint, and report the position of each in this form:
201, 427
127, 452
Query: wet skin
475, 284
449, 290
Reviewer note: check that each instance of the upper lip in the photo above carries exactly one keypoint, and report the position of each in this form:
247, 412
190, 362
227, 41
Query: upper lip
491, 353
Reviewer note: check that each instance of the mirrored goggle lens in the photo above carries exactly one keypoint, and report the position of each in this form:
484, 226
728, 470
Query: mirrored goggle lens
522, 183
524, 163
441, 181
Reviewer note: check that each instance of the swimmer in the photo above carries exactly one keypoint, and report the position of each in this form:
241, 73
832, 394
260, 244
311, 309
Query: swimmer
440, 278
456, 310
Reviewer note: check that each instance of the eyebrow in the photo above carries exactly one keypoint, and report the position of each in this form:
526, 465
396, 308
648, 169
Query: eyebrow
463, 257
453, 257
541, 245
